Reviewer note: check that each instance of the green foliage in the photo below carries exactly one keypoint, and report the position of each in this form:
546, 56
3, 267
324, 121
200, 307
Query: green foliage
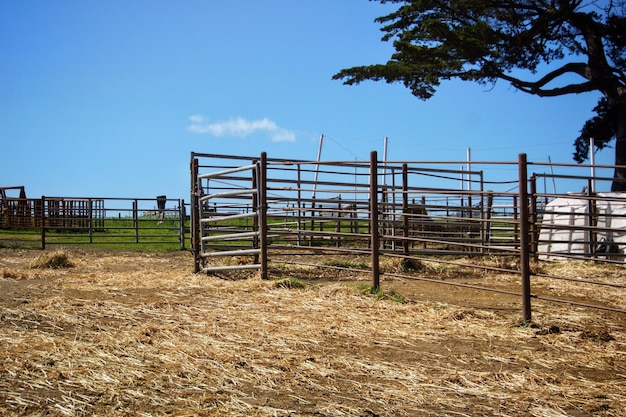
602, 128
289, 283
482, 40
380, 294
489, 40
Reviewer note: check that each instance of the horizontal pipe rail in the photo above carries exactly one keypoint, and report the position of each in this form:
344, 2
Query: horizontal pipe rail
330, 214
231, 236
229, 268
226, 194
231, 253
226, 171
228, 218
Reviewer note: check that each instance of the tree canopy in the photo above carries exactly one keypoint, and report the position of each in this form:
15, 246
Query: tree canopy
583, 44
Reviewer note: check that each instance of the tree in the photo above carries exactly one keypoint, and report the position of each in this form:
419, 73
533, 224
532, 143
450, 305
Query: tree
487, 40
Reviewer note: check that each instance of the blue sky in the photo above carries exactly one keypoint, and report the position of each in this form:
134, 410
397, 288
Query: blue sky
108, 98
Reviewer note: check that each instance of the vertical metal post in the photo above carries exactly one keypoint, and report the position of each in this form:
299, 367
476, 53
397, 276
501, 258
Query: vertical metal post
591, 219
515, 219
195, 214
313, 194
338, 222
592, 160
469, 184
375, 239
482, 226
534, 230
385, 142
393, 208
524, 236
299, 204
462, 184
421, 218
90, 219
182, 215
488, 219
317, 166
255, 207
135, 221
262, 179
43, 222
405, 209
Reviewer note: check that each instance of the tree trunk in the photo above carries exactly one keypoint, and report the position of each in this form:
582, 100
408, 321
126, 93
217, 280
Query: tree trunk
619, 177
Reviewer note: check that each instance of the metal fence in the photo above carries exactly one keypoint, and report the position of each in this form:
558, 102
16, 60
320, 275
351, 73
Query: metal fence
104, 222
253, 208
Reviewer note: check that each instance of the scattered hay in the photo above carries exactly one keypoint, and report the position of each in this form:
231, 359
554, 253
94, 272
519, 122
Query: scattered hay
56, 259
11, 274
599, 336
143, 335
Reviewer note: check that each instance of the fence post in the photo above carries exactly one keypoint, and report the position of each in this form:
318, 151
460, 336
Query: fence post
534, 229
524, 236
182, 215
405, 209
338, 222
488, 224
592, 219
135, 221
262, 178
195, 214
483, 224
255, 208
393, 209
43, 222
375, 239
300, 205
90, 220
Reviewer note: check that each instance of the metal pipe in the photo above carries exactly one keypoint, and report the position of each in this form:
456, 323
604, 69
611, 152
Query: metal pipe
375, 239
226, 171
227, 194
225, 218
592, 156
524, 237
317, 167
229, 268
231, 253
262, 178
230, 236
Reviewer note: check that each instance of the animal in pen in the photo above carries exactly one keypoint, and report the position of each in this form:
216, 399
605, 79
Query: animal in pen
430, 227
419, 223
161, 201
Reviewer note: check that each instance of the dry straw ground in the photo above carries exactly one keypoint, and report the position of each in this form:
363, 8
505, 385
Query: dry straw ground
123, 334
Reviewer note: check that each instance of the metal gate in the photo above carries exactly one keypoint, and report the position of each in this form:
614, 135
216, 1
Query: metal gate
228, 209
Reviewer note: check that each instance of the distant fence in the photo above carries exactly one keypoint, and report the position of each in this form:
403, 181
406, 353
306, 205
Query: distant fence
106, 222
249, 208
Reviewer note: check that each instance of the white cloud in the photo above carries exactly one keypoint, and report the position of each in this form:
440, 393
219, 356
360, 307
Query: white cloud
240, 127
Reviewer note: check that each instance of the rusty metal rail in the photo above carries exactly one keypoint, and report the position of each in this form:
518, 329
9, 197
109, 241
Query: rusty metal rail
210, 219
107, 222
426, 211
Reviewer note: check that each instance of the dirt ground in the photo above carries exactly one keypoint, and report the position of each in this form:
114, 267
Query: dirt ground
124, 333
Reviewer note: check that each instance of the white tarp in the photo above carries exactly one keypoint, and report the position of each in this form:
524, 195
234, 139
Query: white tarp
565, 219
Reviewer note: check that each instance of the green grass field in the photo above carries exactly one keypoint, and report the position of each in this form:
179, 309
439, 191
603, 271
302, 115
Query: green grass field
145, 233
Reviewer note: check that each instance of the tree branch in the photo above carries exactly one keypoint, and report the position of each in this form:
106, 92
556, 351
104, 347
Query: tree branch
536, 86
560, 91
